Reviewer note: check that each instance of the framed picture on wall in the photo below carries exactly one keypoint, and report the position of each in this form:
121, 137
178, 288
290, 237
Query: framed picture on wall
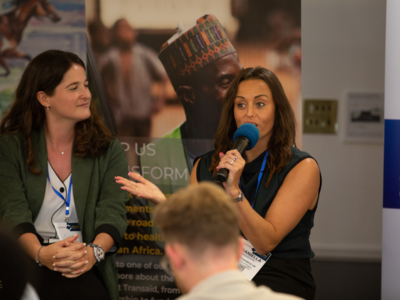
365, 117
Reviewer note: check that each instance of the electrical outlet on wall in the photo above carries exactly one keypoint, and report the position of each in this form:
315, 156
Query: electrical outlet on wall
320, 116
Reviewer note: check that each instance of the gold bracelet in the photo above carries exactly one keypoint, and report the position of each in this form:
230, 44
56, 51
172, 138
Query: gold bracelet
37, 256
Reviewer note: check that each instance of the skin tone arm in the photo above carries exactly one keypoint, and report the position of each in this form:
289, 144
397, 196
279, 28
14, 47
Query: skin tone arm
73, 266
298, 193
193, 176
141, 187
31, 245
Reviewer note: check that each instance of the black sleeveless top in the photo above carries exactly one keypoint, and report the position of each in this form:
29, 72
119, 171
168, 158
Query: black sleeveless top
294, 245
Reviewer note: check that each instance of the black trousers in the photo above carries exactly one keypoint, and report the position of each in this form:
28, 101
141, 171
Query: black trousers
288, 275
52, 285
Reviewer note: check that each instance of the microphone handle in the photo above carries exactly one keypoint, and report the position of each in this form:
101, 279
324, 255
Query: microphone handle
241, 144
222, 176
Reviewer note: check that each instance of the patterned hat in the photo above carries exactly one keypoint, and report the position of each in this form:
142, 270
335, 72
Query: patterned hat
188, 51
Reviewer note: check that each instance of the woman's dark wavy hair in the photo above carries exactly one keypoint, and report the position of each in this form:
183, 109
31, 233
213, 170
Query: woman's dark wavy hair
44, 73
284, 130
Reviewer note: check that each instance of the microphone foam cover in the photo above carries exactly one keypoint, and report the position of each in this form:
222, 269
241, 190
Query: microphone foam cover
249, 131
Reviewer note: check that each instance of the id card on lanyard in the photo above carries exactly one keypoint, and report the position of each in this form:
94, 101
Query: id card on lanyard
251, 262
66, 229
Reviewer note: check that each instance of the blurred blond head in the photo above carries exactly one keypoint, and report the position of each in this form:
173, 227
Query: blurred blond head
199, 216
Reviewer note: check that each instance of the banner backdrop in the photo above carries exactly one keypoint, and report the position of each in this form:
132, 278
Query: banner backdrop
391, 183
166, 111
31, 27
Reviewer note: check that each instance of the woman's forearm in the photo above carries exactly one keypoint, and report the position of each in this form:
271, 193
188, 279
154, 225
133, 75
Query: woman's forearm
260, 233
30, 244
297, 194
104, 240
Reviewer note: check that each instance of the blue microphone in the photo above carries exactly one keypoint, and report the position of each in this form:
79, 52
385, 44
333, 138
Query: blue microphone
245, 138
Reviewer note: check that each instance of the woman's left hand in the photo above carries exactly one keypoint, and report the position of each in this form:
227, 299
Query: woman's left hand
235, 163
71, 268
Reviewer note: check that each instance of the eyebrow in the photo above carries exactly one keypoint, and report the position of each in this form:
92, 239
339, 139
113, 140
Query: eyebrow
223, 76
76, 82
258, 96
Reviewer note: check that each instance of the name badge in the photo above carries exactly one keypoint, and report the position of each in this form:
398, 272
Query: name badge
251, 262
66, 230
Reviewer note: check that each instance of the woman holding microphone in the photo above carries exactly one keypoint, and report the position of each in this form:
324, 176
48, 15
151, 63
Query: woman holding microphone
276, 186
57, 168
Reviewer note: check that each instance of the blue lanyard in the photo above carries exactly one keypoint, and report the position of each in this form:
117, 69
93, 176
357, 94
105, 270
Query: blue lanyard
264, 164
67, 202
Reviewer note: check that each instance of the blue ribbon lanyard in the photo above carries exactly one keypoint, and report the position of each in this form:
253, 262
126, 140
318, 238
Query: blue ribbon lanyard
264, 164
67, 202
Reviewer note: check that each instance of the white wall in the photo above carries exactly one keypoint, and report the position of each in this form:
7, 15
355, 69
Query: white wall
343, 47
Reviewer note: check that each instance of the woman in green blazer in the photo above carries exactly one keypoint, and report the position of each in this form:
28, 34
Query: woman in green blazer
52, 136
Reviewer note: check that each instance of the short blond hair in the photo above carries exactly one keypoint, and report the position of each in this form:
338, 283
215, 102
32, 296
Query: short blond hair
199, 216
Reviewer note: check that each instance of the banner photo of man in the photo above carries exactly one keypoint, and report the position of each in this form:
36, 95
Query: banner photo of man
28, 28
165, 85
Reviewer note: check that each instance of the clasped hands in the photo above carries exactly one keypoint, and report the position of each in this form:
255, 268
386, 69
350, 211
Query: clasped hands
68, 257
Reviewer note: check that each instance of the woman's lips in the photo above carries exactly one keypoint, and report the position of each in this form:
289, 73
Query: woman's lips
253, 123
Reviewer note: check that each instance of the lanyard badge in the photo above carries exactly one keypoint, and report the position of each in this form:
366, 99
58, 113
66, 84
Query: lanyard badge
68, 200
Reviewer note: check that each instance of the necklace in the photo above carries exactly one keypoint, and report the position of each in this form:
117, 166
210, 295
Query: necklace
62, 152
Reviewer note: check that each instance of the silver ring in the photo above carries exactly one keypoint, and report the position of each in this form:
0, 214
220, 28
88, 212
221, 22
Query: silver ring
233, 160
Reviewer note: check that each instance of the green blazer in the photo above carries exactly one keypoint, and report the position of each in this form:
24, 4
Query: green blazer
99, 200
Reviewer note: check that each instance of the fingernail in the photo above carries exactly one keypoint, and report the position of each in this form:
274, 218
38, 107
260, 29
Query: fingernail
54, 257
84, 244
129, 173
122, 188
82, 271
217, 168
86, 262
54, 265
63, 274
85, 251
55, 269
220, 153
67, 243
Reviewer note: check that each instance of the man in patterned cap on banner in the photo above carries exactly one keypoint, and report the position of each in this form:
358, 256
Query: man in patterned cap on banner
201, 64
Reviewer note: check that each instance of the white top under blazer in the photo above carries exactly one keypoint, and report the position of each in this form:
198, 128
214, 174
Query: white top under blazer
53, 207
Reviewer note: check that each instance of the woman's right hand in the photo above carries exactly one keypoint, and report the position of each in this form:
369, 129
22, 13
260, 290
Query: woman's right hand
62, 254
142, 188
234, 163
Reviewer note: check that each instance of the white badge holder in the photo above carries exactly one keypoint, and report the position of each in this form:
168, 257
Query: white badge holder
251, 262
66, 230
